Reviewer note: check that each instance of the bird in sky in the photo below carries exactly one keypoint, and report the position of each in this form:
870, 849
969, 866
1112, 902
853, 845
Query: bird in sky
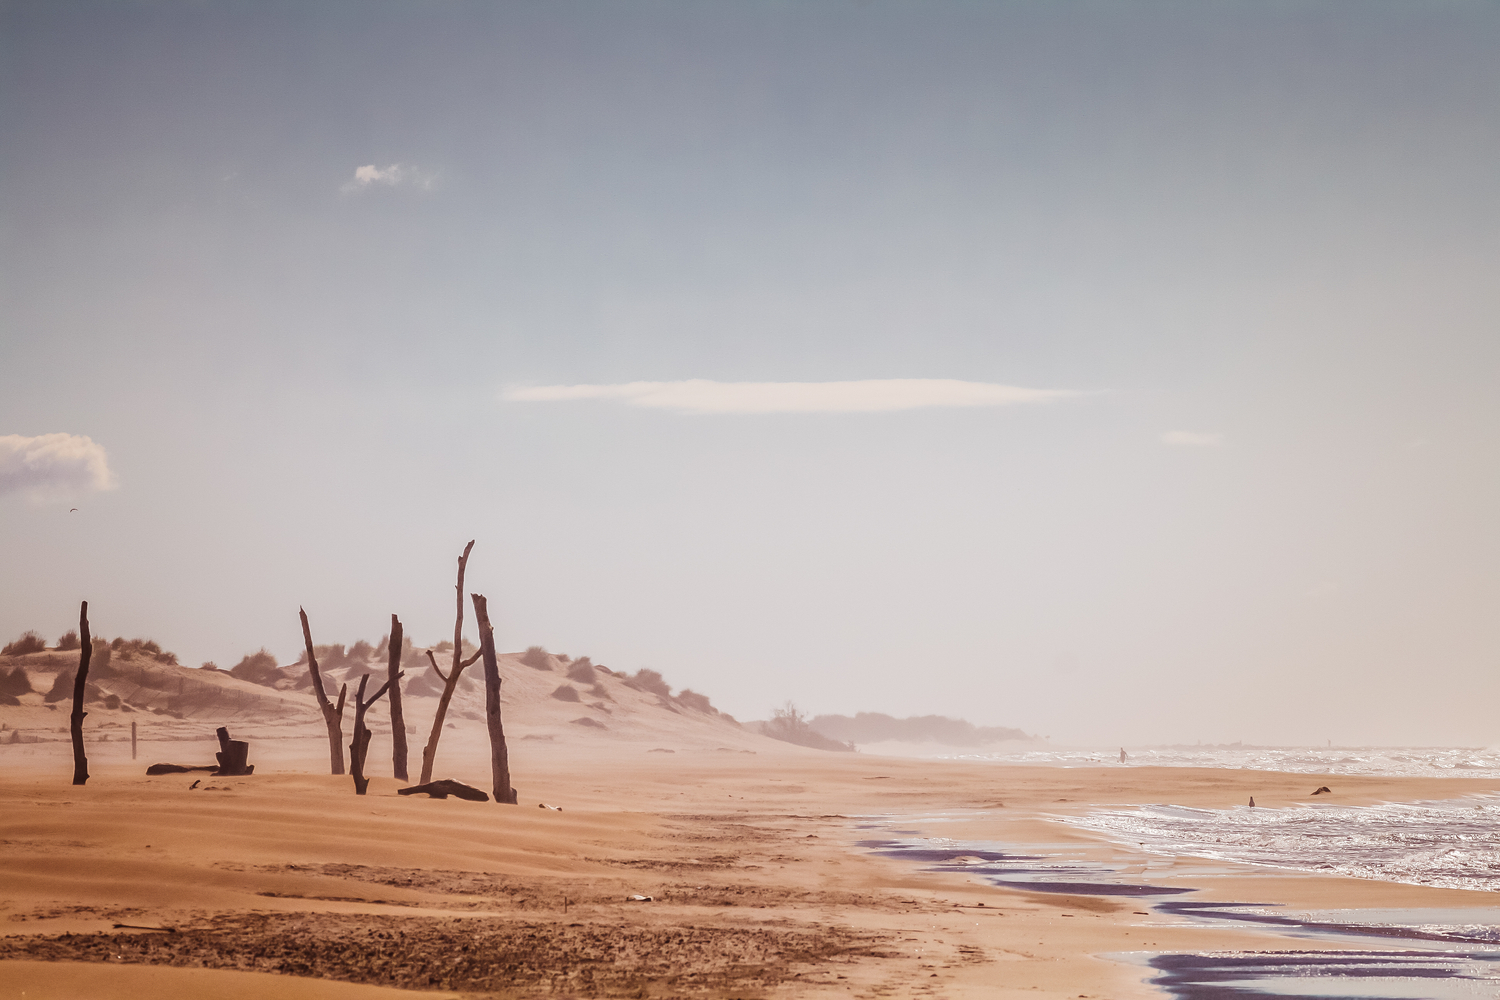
73, 511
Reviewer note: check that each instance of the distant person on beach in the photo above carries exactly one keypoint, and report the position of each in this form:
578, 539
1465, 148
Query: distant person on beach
1122, 755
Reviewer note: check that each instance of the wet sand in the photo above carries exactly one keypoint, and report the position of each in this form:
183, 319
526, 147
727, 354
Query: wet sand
760, 886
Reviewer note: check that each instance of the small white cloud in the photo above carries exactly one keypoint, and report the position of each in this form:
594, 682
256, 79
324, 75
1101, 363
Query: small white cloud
1192, 439
395, 175
866, 396
52, 464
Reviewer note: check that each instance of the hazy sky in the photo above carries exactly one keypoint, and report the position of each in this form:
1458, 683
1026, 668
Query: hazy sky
1205, 298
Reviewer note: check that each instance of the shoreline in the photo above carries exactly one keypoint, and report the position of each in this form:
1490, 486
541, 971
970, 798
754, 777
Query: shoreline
759, 884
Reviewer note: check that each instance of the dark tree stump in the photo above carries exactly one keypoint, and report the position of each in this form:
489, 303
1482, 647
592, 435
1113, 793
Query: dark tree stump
233, 755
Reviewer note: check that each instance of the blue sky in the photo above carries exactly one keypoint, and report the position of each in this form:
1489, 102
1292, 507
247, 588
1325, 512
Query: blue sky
295, 269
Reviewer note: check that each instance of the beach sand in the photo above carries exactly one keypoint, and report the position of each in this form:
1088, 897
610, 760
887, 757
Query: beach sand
285, 883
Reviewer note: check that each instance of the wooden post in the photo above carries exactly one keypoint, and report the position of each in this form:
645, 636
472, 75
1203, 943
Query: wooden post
398, 720
450, 683
132, 739
499, 756
361, 742
333, 718
80, 762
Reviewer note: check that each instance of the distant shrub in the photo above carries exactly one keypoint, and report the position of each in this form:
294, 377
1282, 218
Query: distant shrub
210, 665
30, 642
697, 702
142, 648
259, 668
69, 641
649, 681
581, 670
362, 651
15, 682
112, 701
536, 658
62, 687
790, 726
566, 693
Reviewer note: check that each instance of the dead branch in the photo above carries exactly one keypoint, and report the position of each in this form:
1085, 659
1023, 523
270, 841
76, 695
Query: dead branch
435, 668
333, 718
398, 720
445, 787
450, 682
499, 755
81, 762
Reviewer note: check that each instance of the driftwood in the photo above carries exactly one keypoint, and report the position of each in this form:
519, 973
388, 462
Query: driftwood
180, 768
499, 756
81, 762
445, 787
450, 681
232, 755
398, 720
361, 744
333, 717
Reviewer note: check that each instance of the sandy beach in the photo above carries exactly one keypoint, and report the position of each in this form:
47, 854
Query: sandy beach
286, 883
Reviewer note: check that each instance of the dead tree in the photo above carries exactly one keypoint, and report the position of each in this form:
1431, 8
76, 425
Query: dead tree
333, 717
398, 720
450, 681
80, 762
361, 744
499, 756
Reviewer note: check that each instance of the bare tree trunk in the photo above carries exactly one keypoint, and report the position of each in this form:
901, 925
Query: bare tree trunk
333, 718
450, 683
361, 742
80, 762
398, 720
132, 739
499, 755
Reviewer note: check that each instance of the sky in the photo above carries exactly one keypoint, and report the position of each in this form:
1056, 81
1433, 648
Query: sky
1121, 372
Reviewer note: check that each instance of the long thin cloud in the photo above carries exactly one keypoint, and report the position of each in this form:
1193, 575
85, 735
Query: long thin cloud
864, 396
52, 463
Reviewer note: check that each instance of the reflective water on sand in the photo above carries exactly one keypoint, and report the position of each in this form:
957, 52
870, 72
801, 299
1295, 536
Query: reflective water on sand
1453, 844
1472, 762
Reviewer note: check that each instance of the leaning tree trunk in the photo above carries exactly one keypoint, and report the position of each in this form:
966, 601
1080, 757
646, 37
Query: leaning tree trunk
398, 721
499, 756
81, 762
450, 682
361, 744
333, 717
